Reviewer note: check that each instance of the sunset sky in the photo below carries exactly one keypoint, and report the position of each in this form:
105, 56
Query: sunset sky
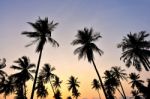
113, 19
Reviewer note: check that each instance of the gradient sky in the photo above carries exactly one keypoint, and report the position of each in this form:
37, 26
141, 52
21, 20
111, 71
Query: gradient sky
112, 18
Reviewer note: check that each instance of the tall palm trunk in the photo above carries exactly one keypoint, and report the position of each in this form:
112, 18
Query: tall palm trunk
99, 94
122, 89
36, 73
4, 96
21, 90
120, 92
100, 79
52, 87
25, 92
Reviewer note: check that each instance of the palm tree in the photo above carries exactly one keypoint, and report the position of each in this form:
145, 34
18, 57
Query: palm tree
120, 75
47, 74
69, 97
42, 34
58, 95
96, 85
135, 94
76, 94
135, 81
6, 86
86, 38
73, 85
57, 82
135, 50
40, 88
2, 65
111, 84
26, 68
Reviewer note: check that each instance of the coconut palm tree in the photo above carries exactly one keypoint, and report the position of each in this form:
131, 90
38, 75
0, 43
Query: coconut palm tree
73, 85
120, 75
48, 75
25, 68
57, 82
69, 97
136, 51
135, 94
111, 83
57, 95
96, 85
86, 39
41, 91
2, 65
76, 94
19, 92
6, 86
42, 34
135, 81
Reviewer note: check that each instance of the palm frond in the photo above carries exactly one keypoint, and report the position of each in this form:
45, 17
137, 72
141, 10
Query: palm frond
16, 67
31, 34
53, 42
31, 66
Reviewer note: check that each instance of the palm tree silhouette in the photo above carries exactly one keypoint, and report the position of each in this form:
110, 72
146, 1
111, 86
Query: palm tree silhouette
42, 34
2, 65
47, 74
136, 51
76, 94
69, 97
57, 82
19, 93
135, 94
73, 85
96, 85
86, 38
41, 91
111, 83
119, 74
26, 68
6, 86
57, 95
135, 81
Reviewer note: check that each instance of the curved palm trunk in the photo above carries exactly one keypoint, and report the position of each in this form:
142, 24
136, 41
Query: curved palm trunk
122, 90
36, 73
100, 79
120, 93
99, 94
52, 87
25, 91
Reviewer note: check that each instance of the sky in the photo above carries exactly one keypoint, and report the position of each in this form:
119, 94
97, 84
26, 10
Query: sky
113, 19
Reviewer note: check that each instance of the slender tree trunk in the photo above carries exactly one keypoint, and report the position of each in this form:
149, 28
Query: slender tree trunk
100, 79
36, 73
52, 87
25, 92
99, 94
120, 93
22, 90
5, 96
122, 90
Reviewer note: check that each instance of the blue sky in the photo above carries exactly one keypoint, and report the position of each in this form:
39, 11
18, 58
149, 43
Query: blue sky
112, 18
